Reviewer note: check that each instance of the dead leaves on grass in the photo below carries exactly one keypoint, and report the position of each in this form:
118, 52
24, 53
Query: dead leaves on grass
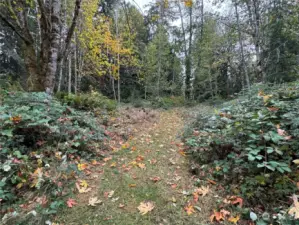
93, 201
155, 179
145, 207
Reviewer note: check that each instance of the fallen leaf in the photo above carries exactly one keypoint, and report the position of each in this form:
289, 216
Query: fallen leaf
189, 209
133, 148
82, 166
182, 152
211, 182
296, 161
114, 199
155, 179
224, 212
82, 189
93, 201
107, 159
266, 98
216, 216
141, 165
294, 211
113, 164
273, 109
203, 190
281, 132
195, 196
139, 158
153, 161
173, 186
145, 207
83, 183
71, 202
237, 200
132, 185
110, 194
94, 162
234, 219
121, 206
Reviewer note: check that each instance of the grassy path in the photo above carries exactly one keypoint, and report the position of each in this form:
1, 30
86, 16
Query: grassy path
150, 169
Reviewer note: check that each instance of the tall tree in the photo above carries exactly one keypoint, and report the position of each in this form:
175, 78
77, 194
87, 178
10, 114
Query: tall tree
16, 15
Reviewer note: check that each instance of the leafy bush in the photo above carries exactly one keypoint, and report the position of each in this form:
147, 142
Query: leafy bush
168, 102
251, 144
36, 132
87, 101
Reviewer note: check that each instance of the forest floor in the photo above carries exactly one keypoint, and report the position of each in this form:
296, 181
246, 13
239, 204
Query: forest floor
149, 170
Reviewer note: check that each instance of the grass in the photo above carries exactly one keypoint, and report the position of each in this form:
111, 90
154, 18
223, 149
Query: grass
135, 186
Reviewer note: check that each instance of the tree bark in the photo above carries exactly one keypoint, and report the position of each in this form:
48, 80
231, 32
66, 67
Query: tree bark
243, 63
70, 75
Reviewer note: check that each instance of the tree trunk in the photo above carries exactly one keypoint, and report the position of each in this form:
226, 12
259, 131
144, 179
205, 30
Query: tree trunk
75, 71
60, 77
243, 63
54, 46
70, 75
34, 79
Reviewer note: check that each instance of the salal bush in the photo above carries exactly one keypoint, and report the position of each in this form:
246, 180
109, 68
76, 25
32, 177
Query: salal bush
252, 144
35, 130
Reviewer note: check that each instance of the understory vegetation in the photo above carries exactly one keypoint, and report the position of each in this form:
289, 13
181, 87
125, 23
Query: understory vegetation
43, 145
95, 95
251, 145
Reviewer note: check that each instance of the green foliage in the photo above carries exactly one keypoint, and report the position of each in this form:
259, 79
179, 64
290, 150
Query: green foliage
36, 134
168, 102
251, 144
87, 101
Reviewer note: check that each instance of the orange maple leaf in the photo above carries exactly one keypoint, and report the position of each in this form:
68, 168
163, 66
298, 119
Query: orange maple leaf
189, 209
216, 216
237, 200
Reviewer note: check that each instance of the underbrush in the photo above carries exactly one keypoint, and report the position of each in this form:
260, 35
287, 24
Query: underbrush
87, 101
44, 145
168, 102
252, 147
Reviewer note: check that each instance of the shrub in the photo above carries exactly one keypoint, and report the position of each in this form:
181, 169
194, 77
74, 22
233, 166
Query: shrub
36, 131
168, 102
87, 101
251, 144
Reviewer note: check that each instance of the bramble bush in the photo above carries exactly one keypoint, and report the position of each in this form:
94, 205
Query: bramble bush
38, 135
87, 101
251, 145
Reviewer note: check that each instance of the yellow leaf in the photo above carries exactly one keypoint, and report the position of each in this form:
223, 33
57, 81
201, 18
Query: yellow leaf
189, 209
82, 166
141, 165
145, 207
83, 183
132, 185
113, 164
234, 219
266, 98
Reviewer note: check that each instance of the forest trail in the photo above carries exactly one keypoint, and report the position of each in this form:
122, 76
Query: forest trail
152, 168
